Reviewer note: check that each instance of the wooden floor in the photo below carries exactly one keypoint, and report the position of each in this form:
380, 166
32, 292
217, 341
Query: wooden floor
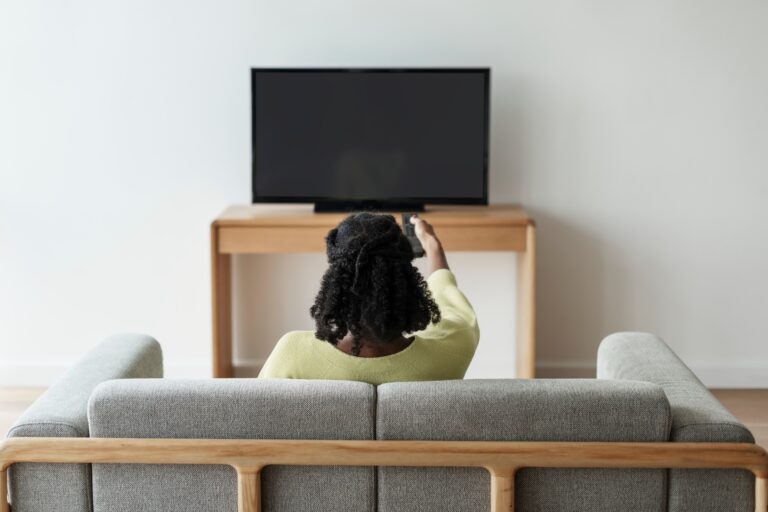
13, 402
749, 405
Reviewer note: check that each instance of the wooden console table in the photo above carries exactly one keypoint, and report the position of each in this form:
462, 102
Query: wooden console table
263, 229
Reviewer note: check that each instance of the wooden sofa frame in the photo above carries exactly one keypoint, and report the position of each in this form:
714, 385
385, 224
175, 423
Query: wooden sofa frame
501, 458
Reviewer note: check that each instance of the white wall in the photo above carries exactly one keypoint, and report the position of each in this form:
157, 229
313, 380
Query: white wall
635, 132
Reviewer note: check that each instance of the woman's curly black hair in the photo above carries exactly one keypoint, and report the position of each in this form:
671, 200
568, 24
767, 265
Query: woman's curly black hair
371, 289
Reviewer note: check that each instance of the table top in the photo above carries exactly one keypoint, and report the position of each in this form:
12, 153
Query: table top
303, 215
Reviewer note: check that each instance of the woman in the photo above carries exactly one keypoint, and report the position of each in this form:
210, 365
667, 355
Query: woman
377, 320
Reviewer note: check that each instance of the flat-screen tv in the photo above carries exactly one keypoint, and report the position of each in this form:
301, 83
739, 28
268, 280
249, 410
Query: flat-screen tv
363, 139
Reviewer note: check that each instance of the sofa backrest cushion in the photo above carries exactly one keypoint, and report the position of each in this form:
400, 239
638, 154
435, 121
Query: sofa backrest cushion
62, 412
697, 416
232, 409
522, 410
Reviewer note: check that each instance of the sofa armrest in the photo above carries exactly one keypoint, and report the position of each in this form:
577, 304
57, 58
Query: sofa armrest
697, 416
62, 412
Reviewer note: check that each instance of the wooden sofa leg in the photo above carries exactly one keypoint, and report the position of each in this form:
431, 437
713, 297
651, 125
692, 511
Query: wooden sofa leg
248, 489
761, 494
4, 491
503, 489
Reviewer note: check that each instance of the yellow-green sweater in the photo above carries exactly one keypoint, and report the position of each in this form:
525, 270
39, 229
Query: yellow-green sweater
441, 351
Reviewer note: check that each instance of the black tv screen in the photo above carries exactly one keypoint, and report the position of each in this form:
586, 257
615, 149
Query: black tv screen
370, 136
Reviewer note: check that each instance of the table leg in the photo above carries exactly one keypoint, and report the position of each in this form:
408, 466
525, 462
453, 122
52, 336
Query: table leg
221, 282
526, 307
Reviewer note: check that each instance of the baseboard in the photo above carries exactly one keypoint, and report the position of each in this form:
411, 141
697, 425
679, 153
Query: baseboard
560, 370
248, 368
745, 377
715, 377
40, 375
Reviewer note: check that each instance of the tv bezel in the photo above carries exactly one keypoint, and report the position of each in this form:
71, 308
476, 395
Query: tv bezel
400, 203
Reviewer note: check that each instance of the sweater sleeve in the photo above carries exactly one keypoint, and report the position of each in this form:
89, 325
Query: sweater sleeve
279, 364
458, 322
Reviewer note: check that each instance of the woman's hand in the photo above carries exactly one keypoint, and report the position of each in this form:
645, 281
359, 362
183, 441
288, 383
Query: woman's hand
433, 249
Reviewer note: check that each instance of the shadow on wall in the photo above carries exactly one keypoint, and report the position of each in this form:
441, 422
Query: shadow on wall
572, 296
272, 294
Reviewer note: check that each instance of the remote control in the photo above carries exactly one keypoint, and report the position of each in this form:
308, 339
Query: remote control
410, 233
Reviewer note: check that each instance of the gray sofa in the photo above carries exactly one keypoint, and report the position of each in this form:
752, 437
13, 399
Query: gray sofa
643, 393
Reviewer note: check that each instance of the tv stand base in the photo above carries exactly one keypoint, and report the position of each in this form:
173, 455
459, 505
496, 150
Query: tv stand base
367, 206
